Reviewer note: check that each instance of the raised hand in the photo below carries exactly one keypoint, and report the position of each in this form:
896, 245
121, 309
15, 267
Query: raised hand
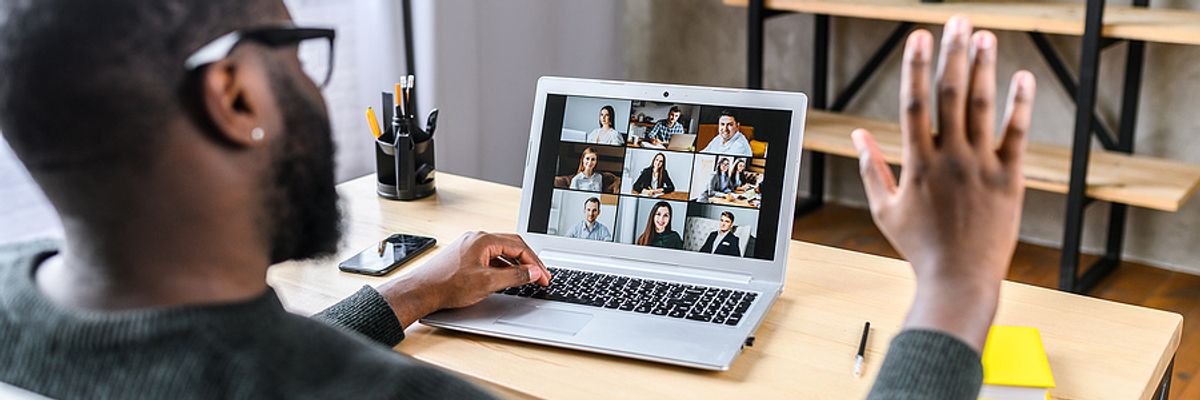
956, 210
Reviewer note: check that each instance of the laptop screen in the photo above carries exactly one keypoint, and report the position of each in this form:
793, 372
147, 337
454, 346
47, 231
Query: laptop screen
692, 177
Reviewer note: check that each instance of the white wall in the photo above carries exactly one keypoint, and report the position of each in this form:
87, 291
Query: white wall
25, 213
369, 59
483, 59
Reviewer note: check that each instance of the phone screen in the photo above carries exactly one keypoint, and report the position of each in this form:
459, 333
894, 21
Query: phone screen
387, 255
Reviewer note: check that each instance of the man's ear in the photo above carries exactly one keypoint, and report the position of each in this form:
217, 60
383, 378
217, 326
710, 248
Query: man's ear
237, 96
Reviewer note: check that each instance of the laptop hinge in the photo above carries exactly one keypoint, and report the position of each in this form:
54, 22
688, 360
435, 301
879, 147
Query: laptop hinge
636, 265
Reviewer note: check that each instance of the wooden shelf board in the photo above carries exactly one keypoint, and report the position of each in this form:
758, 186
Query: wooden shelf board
1120, 22
1119, 178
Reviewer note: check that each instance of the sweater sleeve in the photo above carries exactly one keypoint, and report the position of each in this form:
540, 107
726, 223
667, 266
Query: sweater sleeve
926, 364
367, 313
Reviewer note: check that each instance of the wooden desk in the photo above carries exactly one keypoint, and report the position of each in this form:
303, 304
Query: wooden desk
685, 147
1097, 349
677, 195
737, 200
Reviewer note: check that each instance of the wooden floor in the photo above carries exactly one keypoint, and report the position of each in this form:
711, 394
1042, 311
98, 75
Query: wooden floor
1133, 283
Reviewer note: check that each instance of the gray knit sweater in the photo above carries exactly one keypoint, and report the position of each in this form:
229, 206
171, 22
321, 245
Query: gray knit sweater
256, 349
247, 350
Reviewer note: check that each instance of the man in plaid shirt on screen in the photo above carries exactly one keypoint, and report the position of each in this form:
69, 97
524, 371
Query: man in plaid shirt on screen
661, 134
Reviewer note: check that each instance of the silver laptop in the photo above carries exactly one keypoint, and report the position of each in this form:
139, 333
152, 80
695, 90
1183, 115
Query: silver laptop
681, 141
639, 270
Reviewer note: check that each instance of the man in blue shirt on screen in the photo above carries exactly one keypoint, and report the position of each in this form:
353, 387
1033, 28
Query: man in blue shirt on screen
590, 228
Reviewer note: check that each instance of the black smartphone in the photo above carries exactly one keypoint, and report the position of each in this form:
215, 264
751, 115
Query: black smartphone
387, 254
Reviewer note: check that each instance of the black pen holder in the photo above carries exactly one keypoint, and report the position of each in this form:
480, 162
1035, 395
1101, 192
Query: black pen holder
404, 156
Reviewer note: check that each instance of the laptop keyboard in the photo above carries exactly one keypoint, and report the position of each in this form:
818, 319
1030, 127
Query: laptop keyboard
644, 296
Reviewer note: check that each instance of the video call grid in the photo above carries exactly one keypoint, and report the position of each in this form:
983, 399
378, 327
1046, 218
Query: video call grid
623, 196
691, 183
685, 213
569, 138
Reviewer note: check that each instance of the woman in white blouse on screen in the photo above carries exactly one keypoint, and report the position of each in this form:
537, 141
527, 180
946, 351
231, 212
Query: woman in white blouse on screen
605, 134
586, 177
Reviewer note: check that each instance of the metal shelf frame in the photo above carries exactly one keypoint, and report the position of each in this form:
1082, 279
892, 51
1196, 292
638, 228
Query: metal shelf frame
1088, 123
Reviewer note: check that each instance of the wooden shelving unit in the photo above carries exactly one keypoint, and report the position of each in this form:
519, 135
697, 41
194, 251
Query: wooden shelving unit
1116, 177
1122, 23
1113, 174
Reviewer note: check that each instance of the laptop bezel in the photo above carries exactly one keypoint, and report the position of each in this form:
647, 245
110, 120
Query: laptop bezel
757, 269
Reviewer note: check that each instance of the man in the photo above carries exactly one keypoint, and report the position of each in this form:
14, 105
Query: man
662, 131
590, 228
721, 241
196, 171
729, 139
190, 180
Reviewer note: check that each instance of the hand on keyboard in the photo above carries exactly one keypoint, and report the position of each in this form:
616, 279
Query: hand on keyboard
463, 274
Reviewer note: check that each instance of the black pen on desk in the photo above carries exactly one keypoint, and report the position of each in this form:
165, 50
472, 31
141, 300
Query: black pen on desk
862, 347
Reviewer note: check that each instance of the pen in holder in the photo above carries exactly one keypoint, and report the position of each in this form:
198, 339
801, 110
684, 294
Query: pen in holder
404, 153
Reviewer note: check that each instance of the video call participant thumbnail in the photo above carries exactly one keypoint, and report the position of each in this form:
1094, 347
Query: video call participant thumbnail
590, 227
657, 231
722, 240
662, 131
730, 139
586, 178
660, 174
595, 121
726, 180
741, 179
583, 215
606, 133
589, 168
654, 179
721, 229
721, 182
656, 125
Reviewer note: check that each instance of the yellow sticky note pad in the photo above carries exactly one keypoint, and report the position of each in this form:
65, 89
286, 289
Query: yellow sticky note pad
1014, 356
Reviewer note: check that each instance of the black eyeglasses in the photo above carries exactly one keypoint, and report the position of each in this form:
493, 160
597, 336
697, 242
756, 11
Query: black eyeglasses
315, 48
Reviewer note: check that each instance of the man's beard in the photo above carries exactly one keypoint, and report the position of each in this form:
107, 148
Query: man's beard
302, 203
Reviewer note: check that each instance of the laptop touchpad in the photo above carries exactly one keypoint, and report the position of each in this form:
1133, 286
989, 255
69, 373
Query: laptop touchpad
568, 322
